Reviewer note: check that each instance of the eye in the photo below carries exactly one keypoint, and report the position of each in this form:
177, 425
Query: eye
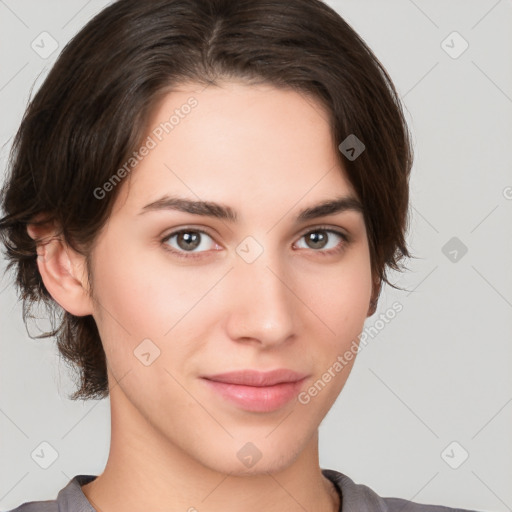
187, 241
191, 242
323, 240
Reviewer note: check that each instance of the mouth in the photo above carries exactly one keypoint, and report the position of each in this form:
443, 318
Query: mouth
257, 391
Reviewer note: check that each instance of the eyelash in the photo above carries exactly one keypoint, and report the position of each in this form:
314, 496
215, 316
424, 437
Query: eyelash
188, 255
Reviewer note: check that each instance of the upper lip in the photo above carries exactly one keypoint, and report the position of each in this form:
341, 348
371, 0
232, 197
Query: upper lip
257, 378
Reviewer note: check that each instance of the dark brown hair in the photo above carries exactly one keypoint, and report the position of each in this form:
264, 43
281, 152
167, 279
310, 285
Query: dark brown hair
92, 110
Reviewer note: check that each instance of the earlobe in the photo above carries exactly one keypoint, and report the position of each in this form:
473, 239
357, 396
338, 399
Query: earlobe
62, 271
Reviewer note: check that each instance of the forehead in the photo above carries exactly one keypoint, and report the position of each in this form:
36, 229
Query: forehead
236, 142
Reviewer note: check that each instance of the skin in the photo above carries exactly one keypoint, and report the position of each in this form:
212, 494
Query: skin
267, 153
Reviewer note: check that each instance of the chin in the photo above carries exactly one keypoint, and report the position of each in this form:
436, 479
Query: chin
252, 458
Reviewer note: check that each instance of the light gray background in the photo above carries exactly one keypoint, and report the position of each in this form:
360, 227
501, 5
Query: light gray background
439, 371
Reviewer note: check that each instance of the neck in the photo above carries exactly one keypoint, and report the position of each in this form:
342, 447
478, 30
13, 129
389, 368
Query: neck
146, 471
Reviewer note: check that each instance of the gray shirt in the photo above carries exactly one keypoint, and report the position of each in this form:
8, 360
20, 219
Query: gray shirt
354, 498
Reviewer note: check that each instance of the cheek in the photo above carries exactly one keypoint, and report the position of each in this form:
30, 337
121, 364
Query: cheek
154, 297
340, 295
144, 295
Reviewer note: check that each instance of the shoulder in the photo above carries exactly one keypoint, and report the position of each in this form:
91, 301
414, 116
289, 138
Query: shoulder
357, 497
69, 499
37, 506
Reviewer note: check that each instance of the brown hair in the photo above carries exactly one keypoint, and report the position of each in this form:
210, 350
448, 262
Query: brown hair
91, 112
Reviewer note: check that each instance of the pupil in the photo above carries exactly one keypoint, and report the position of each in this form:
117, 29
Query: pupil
190, 241
318, 239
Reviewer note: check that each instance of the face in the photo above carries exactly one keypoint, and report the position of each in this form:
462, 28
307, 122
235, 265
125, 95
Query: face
180, 295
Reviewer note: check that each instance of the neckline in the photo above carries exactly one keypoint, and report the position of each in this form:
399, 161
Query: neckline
78, 480
332, 478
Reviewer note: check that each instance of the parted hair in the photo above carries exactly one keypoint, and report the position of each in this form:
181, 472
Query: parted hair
92, 111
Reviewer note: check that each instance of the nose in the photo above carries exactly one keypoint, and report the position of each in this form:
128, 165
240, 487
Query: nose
262, 307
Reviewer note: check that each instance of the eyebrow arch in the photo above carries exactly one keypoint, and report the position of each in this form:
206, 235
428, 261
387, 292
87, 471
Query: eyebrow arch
219, 211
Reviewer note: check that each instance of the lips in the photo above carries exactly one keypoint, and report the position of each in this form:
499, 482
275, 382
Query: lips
256, 391
257, 378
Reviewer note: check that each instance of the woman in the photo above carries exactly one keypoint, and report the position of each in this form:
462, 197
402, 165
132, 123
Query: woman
211, 193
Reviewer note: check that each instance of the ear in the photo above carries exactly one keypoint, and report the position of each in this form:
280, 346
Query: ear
376, 288
62, 269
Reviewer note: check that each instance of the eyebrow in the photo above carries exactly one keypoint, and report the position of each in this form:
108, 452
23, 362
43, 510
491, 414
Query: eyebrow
220, 211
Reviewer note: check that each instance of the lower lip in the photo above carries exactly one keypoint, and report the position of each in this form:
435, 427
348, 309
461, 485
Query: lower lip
258, 399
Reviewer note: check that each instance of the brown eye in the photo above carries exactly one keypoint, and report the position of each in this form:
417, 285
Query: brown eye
325, 241
187, 241
317, 239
